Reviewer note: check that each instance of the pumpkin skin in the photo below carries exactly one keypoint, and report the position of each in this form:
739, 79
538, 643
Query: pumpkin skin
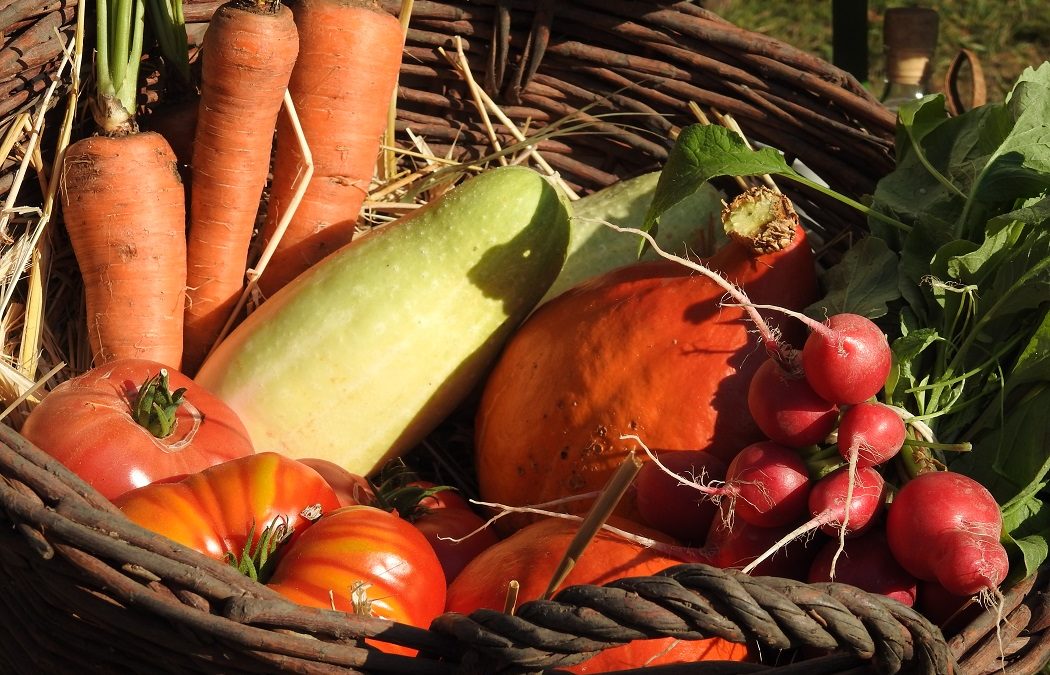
644, 350
530, 557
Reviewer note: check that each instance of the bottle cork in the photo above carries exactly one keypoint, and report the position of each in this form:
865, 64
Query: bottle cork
910, 39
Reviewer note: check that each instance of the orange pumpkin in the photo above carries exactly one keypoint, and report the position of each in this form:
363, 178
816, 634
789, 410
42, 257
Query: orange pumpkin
530, 557
645, 350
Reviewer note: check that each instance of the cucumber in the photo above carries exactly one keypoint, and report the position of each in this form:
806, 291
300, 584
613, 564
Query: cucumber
364, 354
693, 225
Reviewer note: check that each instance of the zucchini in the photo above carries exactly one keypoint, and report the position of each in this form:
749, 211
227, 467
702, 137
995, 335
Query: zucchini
693, 225
365, 353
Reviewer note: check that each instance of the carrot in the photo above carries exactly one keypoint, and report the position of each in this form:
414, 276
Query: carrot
248, 54
341, 87
124, 209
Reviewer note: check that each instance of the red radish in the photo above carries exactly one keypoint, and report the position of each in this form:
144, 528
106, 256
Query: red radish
866, 562
830, 495
674, 506
786, 409
968, 564
847, 359
839, 506
874, 431
926, 515
735, 547
768, 484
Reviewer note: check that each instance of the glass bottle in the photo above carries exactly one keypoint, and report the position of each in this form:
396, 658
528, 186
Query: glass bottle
910, 40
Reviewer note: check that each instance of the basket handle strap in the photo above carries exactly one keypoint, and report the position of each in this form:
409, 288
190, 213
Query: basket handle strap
978, 88
500, 50
532, 55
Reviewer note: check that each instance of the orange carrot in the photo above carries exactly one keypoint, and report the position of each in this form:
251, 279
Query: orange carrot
124, 210
248, 54
341, 87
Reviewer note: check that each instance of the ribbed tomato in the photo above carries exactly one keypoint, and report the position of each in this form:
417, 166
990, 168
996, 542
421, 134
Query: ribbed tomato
530, 557
213, 511
364, 560
101, 427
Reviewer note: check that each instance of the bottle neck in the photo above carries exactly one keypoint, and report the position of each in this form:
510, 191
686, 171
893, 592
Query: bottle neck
907, 76
897, 94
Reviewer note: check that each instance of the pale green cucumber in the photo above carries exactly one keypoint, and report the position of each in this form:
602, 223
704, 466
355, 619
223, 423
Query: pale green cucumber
359, 358
693, 225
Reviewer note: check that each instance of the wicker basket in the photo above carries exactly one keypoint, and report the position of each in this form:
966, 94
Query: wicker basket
84, 589
34, 33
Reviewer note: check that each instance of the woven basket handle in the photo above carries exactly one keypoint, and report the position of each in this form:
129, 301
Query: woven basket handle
978, 88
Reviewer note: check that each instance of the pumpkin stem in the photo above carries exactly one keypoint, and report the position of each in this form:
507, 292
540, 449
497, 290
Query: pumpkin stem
156, 405
761, 219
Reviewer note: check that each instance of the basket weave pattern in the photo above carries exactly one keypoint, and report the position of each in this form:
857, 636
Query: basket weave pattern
82, 588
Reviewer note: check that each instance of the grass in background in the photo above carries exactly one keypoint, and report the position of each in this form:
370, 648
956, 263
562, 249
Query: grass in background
1006, 36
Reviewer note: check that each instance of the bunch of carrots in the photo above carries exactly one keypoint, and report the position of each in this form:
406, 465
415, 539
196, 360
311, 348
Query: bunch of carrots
163, 280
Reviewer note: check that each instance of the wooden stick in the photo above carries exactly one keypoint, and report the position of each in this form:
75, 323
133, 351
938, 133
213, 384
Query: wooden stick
593, 521
463, 67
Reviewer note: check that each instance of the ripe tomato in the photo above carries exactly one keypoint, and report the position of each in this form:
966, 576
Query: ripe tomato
213, 511
445, 516
364, 560
351, 488
530, 557
89, 423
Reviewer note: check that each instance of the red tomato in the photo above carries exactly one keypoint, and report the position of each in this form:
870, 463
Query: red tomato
361, 559
88, 423
530, 557
446, 515
351, 488
442, 525
442, 499
214, 510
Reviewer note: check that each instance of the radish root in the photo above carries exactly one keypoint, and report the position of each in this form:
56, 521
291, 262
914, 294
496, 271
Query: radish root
852, 469
684, 553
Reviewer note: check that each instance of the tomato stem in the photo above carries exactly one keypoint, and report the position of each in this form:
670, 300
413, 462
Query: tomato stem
257, 559
156, 405
397, 490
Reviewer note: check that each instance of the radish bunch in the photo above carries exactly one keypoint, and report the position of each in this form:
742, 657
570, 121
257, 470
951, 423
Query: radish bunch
941, 528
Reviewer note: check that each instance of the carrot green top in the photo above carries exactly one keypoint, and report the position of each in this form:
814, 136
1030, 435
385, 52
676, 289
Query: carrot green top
169, 24
119, 44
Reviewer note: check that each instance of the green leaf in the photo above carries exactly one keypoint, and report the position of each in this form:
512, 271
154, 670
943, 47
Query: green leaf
1033, 363
1020, 166
1011, 459
864, 282
918, 119
1032, 549
702, 152
909, 365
